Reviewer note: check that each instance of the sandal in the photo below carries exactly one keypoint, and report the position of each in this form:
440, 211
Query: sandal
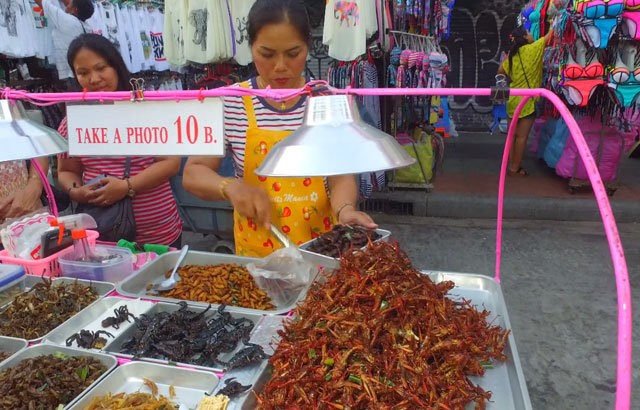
521, 172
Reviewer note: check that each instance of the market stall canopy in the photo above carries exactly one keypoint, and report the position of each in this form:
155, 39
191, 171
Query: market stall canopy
22, 138
334, 140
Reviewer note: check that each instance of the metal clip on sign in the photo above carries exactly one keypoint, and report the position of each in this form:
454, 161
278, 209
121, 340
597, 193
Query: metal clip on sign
500, 92
137, 89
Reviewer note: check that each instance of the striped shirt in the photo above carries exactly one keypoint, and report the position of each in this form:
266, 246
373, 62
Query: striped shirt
155, 210
267, 117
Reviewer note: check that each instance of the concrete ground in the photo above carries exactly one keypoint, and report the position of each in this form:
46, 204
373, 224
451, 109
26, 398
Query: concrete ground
559, 288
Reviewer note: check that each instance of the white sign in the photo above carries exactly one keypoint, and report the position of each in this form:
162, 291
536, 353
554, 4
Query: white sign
147, 128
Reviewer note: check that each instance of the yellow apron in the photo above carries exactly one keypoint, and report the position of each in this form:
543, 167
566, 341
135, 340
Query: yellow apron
301, 207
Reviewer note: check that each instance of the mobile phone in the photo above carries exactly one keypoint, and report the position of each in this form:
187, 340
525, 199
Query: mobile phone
50, 242
96, 179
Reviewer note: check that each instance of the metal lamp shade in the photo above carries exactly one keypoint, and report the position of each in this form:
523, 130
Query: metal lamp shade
22, 138
333, 141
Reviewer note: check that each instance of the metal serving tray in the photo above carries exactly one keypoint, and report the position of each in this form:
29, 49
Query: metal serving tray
328, 261
505, 380
11, 345
103, 289
115, 347
91, 319
110, 362
136, 284
190, 385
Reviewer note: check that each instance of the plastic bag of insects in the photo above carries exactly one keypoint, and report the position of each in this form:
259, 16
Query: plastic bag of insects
283, 275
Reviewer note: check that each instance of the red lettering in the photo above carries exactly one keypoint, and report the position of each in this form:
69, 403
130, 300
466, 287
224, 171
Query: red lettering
79, 132
192, 129
208, 135
129, 134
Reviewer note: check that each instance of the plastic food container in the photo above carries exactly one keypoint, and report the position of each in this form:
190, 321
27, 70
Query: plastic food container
11, 282
112, 270
46, 266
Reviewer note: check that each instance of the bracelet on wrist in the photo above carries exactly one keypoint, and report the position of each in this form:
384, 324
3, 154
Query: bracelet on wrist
222, 186
342, 207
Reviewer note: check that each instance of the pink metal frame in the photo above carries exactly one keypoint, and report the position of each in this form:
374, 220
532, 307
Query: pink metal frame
623, 385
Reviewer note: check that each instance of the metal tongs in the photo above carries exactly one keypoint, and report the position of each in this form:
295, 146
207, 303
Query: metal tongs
281, 236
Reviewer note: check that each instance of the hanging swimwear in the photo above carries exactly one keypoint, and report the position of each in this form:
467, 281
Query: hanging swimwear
597, 31
631, 24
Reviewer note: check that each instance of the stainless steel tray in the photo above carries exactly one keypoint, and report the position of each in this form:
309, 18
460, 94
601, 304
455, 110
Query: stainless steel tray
102, 288
328, 261
258, 373
11, 345
505, 380
190, 385
136, 284
91, 319
110, 362
115, 347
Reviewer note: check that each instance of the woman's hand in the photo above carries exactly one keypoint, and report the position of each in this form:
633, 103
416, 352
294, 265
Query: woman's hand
351, 216
20, 203
250, 202
107, 191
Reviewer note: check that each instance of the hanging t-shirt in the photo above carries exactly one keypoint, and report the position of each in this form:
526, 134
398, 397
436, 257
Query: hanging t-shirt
41, 32
144, 30
345, 31
110, 23
239, 13
137, 54
157, 40
96, 22
175, 20
208, 32
123, 40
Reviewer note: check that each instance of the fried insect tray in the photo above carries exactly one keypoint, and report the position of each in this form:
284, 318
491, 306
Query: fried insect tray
110, 362
505, 380
102, 288
328, 261
154, 272
11, 345
190, 385
91, 319
116, 346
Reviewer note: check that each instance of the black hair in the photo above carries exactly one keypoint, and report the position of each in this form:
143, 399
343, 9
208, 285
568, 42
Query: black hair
84, 9
517, 39
103, 47
265, 12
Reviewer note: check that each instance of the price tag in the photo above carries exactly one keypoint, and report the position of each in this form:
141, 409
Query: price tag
147, 128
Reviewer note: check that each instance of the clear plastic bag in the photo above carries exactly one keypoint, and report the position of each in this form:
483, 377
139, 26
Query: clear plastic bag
283, 275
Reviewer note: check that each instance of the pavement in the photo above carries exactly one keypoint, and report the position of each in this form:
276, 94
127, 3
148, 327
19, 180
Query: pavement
559, 289
467, 187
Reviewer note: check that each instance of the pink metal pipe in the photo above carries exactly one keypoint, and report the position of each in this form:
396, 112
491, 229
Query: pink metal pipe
53, 207
503, 170
623, 387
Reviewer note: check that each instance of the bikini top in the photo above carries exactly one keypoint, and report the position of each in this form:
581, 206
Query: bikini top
593, 9
575, 71
622, 75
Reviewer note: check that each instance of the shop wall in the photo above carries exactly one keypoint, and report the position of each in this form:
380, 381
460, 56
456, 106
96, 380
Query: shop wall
479, 30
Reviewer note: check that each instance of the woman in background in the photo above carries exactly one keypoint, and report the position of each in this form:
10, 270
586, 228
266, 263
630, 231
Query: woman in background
98, 66
524, 67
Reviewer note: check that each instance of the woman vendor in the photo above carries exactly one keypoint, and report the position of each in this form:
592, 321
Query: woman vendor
279, 35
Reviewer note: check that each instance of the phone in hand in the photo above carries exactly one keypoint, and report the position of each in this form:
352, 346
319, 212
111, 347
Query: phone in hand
96, 179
